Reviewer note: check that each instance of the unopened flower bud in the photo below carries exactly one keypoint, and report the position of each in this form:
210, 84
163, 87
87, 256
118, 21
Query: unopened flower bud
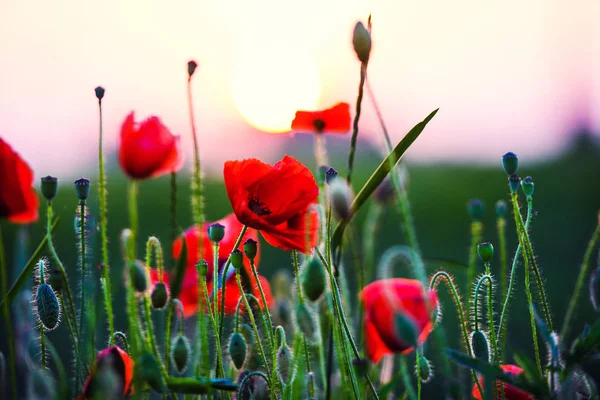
238, 350
341, 198
137, 274
313, 279
595, 289
480, 346
424, 370
385, 192
250, 248
361, 40
192, 65
475, 208
202, 267
159, 296
513, 183
305, 322
527, 186
180, 353
284, 362
48, 307
49, 187
510, 163
501, 209
330, 175
485, 251
99, 92
216, 232
82, 188
237, 259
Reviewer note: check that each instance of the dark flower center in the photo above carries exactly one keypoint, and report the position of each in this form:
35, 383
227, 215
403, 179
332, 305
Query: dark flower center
257, 207
319, 125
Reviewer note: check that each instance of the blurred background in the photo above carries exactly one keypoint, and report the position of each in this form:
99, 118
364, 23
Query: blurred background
516, 76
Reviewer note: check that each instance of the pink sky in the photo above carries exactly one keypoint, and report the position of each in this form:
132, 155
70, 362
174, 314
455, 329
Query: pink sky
511, 75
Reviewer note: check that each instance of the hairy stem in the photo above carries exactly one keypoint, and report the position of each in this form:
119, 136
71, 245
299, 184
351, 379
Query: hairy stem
363, 77
476, 230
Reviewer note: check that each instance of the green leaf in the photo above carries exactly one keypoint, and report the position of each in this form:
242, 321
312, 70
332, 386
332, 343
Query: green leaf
179, 270
380, 173
26, 273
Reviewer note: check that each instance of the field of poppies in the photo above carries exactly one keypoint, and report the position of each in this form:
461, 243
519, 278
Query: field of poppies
192, 317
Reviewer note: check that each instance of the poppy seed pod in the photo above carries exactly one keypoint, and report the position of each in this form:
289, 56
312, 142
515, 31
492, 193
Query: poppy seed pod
330, 175
480, 346
137, 274
304, 320
237, 259
485, 251
361, 40
510, 163
284, 362
216, 232
313, 279
82, 188
49, 187
159, 296
99, 92
341, 198
527, 186
192, 65
250, 248
202, 267
513, 183
595, 288
475, 208
501, 209
180, 353
238, 350
48, 307
424, 370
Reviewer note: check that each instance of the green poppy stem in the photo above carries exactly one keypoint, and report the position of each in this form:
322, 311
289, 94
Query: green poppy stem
12, 365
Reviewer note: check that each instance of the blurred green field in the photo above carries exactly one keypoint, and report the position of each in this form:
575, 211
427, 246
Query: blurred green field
567, 200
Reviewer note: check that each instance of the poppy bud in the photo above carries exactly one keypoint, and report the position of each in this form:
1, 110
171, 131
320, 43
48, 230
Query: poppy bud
237, 259
485, 251
501, 209
192, 67
312, 279
480, 346
282, 308
305, 321
510, 163
202, 267
527, 186
424, 370
82, 188
341, 198
99, 92
216, 232
238, 350
513, 183
361, 366
361, 40
250, 248
137, 274
321, 175
330, 175
49, 187
159, 296
405, 328
180, 352
150, 373
48, 307
385, 192
595, 288
475, 208
284, 362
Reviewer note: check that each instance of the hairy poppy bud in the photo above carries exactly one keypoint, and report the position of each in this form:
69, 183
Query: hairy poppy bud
527, 186
250, 248
501, 209
237, 259
341, 198
99, 92
405, 329
284, 362
180, 353
159, 296
48, 307
150, 373
385, 192
238, 350
330, 175
82, 188
202, 267
424, 370
513, 183
480, 346
510, 163
192, 65
49, 187
312, 279
485, 251
216, 232
304, 320
475, 208
137, 274
595, 288
361, 40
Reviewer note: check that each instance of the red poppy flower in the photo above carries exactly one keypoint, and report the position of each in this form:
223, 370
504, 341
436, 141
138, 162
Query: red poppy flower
120, 363
510, 392
18, 199
332, 120
276, 200
385, 298
148, 149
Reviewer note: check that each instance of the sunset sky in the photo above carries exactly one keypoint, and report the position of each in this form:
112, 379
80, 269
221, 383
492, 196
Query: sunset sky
511, 75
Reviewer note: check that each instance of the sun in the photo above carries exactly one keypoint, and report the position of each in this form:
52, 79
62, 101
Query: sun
270, 84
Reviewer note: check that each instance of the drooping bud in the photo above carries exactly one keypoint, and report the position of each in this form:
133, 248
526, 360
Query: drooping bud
216, 232
250, 248
485, 251
527, 186
501, 209
284, 362
423, 369
192, 65
305, 322
361, 40
341, 198
595, 289
137, 274
180, 353
151, 374
513, 183
99, 92
406, 329
238, 350
159, 296
47, 307
237, 259
82, 188
330, 175
49, 187
475, 208
480, 346
313, 279
510, 163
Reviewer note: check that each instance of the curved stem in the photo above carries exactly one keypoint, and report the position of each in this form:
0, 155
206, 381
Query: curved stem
240, 393
491, 325
123, 337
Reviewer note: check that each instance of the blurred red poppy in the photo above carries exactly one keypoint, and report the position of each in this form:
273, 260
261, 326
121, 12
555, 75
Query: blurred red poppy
332, 120
18, 200
121, 365
510, 392
276, 200
382, 301
148, 149
193, 239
